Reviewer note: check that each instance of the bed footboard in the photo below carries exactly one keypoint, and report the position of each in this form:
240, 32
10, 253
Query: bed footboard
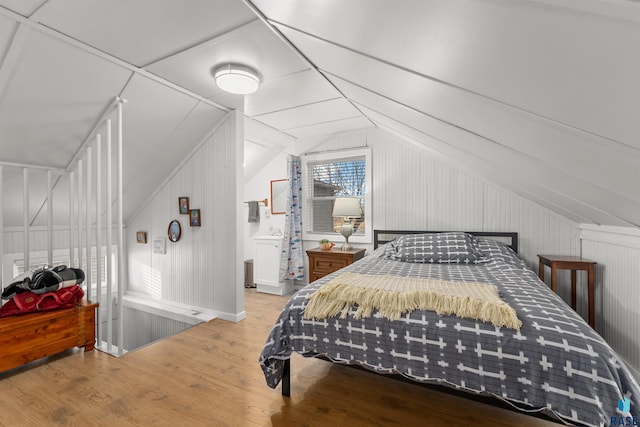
30, 337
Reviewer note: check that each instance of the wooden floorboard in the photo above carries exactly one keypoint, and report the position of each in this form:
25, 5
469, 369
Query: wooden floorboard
209, 376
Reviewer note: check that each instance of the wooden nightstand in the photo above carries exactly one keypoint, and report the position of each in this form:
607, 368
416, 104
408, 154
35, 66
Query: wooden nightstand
323, 262
558, 262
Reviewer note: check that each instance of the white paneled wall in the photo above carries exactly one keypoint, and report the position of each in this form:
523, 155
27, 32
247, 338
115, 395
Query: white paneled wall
414, 190
14, 244
149, 328
258, 188
617, 252
204, 268
38, 237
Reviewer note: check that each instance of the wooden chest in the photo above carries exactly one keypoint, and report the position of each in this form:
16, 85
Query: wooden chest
29, 337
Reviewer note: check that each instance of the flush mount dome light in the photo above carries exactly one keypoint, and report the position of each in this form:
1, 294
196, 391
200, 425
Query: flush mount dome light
238, 79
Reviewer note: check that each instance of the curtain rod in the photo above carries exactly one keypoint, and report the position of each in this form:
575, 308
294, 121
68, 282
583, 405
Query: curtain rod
335, 150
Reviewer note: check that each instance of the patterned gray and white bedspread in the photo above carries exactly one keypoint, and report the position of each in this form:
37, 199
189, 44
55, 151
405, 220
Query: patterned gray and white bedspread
556, 362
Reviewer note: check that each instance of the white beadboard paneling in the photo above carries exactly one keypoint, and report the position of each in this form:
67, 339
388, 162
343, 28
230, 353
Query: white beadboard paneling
617, 252
413, 190
198, 270
14, 243
148, 328
38, 237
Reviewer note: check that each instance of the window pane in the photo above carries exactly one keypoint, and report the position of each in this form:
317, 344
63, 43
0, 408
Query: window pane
322, 219
341, 178
328, 180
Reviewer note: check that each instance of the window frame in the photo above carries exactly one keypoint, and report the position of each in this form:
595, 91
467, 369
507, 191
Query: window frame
339, 156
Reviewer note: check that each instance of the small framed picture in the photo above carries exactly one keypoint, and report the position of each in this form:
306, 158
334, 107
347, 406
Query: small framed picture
159, 246
183, 205
141, 237
194, 218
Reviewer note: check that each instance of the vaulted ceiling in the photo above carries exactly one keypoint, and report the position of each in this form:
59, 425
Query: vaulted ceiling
537, 96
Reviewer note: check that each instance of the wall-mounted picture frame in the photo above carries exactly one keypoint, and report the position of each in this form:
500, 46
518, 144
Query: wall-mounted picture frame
141, 237
183, 205
174, 231
159, 245
194, 218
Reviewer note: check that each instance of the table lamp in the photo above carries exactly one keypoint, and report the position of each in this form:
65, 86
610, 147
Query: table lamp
347, 208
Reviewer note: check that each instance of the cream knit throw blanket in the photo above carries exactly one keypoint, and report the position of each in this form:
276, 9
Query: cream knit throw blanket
395, 295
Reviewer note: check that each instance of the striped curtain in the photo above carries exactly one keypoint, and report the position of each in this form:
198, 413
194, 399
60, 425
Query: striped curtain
291, 259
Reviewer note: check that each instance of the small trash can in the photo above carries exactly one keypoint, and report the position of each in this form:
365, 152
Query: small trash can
248, 274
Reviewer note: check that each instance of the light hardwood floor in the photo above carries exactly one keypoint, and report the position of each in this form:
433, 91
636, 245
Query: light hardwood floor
209, 376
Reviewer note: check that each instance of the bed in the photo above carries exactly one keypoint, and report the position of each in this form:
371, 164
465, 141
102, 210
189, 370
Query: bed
554, 363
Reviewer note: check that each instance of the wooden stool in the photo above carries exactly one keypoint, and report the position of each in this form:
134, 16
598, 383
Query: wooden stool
559, 262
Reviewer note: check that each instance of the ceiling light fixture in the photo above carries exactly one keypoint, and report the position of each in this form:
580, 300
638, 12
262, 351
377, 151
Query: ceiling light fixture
235, 78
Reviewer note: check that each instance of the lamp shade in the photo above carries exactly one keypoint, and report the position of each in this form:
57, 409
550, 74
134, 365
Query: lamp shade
237, 79
347, 207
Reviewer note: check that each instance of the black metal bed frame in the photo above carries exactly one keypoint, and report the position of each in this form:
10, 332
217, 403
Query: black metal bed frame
383, 236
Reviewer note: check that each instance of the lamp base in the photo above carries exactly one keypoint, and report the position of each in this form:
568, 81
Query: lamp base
346, 247
346, 231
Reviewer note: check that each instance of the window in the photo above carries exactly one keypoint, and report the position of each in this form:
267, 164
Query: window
328, 176
39, 259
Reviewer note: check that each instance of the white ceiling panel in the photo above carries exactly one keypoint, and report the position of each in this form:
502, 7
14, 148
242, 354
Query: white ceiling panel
336, 126
320, 112
554, 62
261, 145
594, 200
256, 156
292, 90
21, 7
168, 154
530, 135
265, 136
253, 45
152, 114
51, 100
7, 30
229, 100
12, 190
538, 96
141, 32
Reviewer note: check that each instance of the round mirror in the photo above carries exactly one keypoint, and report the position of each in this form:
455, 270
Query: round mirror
175, 230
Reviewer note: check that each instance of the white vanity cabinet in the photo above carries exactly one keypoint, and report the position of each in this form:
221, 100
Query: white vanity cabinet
266, 266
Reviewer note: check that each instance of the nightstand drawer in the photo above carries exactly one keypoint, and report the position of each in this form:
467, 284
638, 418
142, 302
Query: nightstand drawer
317, 275
329, 265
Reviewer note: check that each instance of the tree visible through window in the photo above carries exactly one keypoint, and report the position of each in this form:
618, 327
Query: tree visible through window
328, 179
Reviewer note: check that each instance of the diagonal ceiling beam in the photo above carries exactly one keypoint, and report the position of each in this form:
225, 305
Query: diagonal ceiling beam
613, 143
626, 10
32, 23
302, 56
11, 59
242, 28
